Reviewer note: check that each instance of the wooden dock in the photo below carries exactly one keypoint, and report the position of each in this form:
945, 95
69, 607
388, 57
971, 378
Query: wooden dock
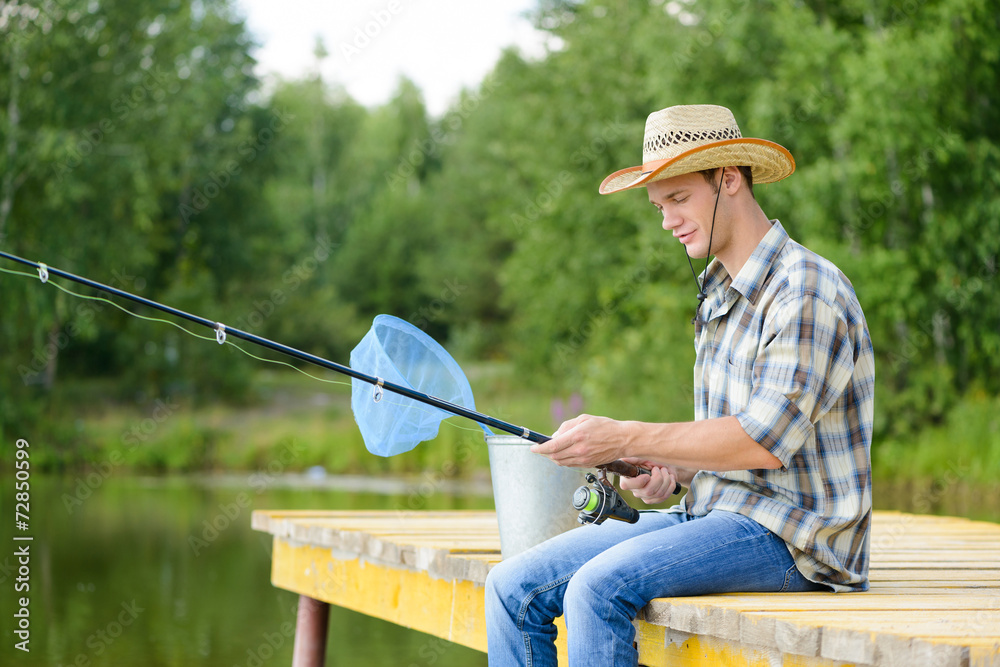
934, 599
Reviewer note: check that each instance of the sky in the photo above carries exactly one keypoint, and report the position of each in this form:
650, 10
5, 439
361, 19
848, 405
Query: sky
442, 45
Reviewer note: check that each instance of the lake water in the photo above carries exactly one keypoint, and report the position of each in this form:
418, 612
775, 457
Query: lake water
131, 575
125, 571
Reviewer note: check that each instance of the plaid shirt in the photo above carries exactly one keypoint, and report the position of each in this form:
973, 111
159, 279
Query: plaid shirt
785, 348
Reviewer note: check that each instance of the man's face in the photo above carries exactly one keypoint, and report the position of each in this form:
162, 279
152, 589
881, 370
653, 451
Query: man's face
686, 202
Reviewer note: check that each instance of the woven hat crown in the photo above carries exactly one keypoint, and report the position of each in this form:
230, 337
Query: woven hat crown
688, 138
674, 130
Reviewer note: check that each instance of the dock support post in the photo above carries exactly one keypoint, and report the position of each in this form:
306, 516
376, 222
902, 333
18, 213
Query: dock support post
310, 633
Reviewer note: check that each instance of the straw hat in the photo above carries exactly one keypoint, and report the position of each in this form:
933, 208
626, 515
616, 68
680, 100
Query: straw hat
684, 139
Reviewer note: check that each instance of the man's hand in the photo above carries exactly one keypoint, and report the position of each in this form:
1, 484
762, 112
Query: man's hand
654, 488
586, 441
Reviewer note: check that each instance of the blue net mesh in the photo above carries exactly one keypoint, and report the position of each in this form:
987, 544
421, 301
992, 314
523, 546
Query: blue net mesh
400, 353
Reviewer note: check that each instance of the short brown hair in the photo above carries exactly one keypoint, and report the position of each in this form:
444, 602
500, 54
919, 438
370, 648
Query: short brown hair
709, 175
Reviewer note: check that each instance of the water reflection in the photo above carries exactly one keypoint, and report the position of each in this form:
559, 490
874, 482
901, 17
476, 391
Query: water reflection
949, 496
167, 572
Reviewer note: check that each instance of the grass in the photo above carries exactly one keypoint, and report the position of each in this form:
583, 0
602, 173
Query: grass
291, 424
965, 448
294, 422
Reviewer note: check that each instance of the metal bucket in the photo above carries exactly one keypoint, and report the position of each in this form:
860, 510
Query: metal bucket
533, 495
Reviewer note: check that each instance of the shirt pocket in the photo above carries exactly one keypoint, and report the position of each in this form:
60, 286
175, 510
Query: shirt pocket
739, 369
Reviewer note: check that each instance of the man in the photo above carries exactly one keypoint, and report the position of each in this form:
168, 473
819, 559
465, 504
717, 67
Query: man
777, 459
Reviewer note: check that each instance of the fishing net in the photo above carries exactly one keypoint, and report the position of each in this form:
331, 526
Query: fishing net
402, 354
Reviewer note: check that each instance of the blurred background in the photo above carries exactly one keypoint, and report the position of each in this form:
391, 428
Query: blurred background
165, 148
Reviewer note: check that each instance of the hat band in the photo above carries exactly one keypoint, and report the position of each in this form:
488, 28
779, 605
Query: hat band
657, 142
653, 165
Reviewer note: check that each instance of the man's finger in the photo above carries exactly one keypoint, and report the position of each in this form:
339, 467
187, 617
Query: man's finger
544, 448
556, 444
635, 483
569, 424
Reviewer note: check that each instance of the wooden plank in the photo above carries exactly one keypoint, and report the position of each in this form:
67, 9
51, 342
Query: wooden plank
938, 622
872, 636
450, 609
985, 576
663, 647
979, 557
935, 595
836, 602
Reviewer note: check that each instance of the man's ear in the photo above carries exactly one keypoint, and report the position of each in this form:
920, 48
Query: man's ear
732, 178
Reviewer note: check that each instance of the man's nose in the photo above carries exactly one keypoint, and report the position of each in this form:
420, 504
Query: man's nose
670, 221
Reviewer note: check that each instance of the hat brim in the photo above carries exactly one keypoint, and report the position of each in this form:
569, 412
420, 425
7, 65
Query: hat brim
768, 161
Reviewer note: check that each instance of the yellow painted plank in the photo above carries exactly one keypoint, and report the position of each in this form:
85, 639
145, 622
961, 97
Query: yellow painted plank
407, 598
452, 610
982, 652
658, 647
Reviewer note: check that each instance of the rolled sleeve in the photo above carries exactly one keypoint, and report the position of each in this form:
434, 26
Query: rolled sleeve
799, 374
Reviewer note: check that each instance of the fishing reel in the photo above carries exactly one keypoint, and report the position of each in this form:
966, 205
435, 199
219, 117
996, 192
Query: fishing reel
601, 501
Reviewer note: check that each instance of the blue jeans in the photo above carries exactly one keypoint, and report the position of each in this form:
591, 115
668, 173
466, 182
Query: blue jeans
601, 576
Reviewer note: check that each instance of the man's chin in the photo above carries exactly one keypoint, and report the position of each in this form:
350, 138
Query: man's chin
695, 252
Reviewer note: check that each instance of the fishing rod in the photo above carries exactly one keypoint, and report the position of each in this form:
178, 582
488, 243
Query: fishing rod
222, 331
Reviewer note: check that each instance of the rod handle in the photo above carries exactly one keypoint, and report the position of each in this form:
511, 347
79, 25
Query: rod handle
626, 469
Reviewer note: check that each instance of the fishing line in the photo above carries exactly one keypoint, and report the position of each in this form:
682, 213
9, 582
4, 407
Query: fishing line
449, 376
212, 338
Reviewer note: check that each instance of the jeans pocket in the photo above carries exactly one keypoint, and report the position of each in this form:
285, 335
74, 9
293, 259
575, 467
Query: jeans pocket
789, 575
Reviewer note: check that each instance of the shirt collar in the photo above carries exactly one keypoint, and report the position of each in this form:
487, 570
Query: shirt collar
723, 291
751, 279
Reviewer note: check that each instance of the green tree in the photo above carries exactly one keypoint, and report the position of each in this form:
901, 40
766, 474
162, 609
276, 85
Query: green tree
131, 149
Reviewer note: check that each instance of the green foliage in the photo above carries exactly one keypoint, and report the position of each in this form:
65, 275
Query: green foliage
137, 149
965, 447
